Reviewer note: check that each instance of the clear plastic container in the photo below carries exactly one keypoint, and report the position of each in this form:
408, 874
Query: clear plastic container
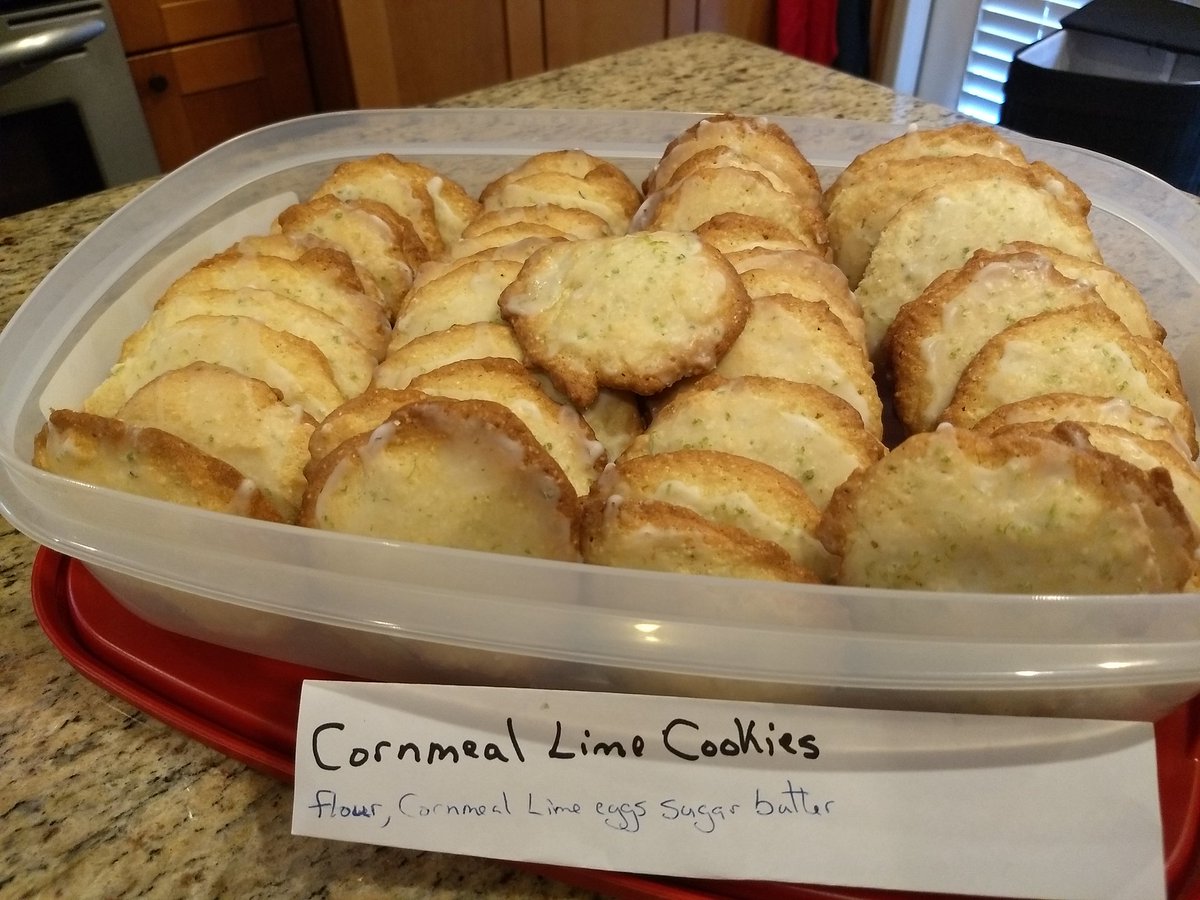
387, 610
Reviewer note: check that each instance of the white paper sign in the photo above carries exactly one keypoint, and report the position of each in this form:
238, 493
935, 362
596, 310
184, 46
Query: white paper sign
985, 805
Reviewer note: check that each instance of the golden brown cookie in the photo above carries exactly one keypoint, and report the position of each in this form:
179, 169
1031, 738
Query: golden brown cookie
381, 242
350, 362
557, 427
735, 232
803, 340
322, 278
860, 211
1069, 407
477, 340
635, 312
687, 204
726, 489
145, 461
438, 207
453, 473
1081, 350
958, 140
239, 420
751, 137
941, 227
295, 245
954, 510
934, 337
465, 294
805, 276
291, 365
1139, 451
573, 179
578, 223
504, 236
1117, 292
646, 534
802, 430
363, 413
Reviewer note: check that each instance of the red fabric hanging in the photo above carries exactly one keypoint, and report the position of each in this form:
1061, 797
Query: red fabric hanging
808, 29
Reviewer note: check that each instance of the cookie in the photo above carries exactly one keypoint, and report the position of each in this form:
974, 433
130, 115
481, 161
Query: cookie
239, 420
728, 490
453, 473
941, 227
954, 510
291, 365
563, 433
802, 430
645, 534
635, 312
145, 461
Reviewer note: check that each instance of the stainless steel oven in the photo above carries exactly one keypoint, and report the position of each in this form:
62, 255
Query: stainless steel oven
70, 120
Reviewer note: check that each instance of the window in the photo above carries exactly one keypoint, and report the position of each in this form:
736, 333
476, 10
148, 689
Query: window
1003, 28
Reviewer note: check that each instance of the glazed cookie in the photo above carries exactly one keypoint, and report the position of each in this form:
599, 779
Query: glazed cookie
1082, 350
1114, 289
239, 420
954, 510
636, 312
802, 430
934, 337
687, 204
958, 140
941, 227
466, 294
563, 433
438, 207
578, 223
145, 461
350, 362
378, 240
324, 279
751, 137
1069, 407
366, 412
726, 489
477, 340
803, 340
454, 473
291, 365
805, 276
646, 534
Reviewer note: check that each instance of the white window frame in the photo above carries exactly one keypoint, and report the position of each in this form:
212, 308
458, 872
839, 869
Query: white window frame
928, 47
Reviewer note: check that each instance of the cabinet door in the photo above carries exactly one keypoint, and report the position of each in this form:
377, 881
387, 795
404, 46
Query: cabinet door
418, 51
753, 20
151, 24
577, 30
196, 96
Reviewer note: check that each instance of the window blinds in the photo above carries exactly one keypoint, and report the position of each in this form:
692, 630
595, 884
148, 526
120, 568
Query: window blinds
1003, 28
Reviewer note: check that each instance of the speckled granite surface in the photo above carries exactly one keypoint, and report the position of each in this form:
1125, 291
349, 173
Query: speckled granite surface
99, 800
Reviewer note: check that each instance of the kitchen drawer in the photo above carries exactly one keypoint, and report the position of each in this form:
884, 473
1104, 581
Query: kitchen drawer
198, 95
153, 24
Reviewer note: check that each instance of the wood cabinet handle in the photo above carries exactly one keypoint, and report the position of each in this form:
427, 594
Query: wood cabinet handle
158, 83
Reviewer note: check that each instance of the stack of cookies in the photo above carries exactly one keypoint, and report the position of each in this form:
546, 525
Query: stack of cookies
922, 375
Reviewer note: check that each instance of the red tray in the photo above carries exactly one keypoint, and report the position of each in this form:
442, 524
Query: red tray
246, 706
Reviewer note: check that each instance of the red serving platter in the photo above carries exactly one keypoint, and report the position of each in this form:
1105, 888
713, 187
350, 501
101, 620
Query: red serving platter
246, 707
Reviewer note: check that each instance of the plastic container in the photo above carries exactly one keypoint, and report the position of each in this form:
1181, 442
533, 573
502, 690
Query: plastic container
386, 610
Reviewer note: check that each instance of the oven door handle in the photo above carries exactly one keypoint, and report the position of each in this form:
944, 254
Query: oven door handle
48, 44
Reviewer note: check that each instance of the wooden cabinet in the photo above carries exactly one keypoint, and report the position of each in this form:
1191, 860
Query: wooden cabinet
409, 52
207, 70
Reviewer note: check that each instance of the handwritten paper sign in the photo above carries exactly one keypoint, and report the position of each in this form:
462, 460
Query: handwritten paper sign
986, 805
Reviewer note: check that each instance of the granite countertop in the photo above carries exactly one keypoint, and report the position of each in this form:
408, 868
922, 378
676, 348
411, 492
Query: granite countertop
102, 800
